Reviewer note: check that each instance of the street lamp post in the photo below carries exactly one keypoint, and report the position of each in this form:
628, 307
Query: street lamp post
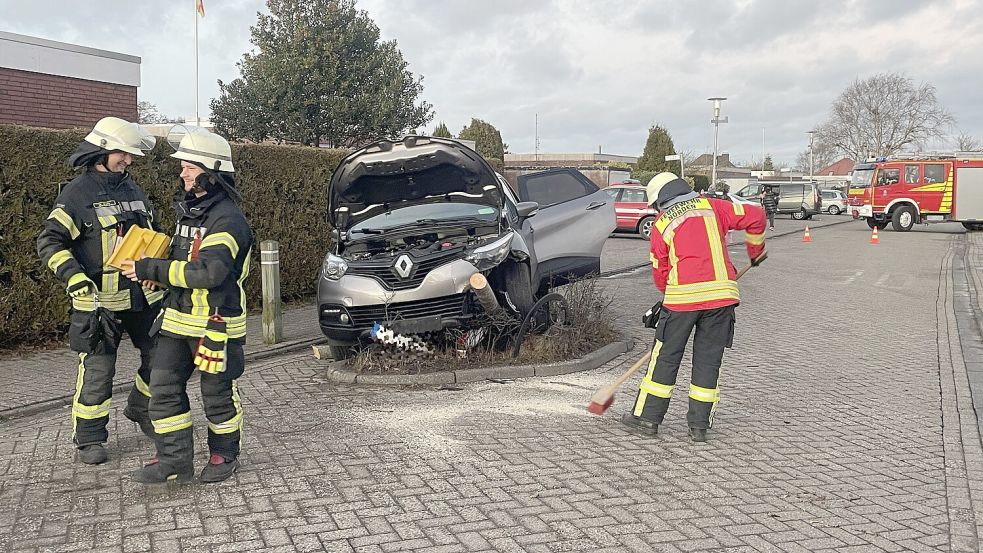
812, 135
716, 128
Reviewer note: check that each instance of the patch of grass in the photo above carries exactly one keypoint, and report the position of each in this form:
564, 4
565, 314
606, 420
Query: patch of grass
583, 327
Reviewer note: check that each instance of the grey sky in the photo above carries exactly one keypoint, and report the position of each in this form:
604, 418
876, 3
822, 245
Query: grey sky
597, 73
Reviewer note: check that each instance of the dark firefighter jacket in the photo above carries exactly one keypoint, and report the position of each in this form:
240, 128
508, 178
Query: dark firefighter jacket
206, 266
91, 212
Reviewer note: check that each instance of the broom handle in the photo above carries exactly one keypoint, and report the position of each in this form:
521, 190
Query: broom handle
628, 374
624, 378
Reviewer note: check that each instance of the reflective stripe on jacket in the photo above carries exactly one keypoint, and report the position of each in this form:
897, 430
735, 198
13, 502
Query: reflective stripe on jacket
689, 257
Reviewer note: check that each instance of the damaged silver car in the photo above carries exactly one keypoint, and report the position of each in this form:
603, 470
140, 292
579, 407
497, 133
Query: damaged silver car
415, 219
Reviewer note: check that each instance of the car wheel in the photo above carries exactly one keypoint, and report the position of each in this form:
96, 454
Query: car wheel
903, 218
340, 353
834, 210
645, 227
518, 287
799, 215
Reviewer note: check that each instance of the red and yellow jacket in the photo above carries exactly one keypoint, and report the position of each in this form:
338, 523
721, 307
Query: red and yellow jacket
690, 264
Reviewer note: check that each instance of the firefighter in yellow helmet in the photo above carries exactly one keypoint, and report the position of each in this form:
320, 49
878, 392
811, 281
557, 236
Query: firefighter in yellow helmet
90, 215
204, 319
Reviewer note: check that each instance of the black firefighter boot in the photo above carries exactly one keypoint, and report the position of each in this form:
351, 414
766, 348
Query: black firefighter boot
640, 426
218, 469
92, 454
174, 461
698, 434
153, 473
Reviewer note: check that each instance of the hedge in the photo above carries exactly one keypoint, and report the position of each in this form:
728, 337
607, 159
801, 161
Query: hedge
284, 198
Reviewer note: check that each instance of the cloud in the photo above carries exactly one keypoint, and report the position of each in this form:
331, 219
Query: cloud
596, 73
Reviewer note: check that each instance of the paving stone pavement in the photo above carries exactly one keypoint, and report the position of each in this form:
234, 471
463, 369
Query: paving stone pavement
835, 433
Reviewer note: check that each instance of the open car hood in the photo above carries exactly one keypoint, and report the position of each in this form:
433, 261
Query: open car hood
389, 175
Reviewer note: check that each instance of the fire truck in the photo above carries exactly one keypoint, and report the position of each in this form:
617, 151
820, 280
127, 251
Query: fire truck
904, 190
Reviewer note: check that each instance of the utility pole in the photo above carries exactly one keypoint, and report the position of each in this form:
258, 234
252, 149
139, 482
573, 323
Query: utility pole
762, 148
536, 146
812, 135
716, 129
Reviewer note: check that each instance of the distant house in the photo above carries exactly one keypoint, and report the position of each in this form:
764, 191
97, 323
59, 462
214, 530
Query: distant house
735, 177
841, 168
44, 83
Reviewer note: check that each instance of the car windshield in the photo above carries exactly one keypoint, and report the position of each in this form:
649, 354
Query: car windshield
861, 178
434, 213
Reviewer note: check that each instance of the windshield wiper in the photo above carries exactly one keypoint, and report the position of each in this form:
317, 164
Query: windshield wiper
368, 230
451, 220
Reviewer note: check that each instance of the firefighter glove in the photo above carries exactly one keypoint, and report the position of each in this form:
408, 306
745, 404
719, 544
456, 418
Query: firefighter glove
80, 285
651, 317
760, 259
211, 352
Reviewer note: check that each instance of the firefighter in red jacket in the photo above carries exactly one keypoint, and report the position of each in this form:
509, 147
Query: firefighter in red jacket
691, 268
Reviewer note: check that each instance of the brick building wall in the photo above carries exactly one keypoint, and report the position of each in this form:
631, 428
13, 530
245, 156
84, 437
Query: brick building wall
42, 100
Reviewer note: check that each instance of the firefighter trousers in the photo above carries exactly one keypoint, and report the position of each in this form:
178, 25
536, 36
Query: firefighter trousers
94, 382
714, 332
170, 408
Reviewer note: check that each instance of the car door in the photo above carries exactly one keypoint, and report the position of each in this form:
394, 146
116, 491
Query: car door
632, 208
575, 218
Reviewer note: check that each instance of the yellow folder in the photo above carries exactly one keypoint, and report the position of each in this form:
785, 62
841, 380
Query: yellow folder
139, 242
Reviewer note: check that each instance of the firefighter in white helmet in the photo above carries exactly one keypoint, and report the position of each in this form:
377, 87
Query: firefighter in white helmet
91, 214
691, 267
203, 325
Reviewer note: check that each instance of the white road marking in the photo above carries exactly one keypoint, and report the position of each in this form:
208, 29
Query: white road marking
855, 276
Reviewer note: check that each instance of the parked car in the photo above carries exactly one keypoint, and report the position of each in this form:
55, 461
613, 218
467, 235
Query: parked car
631, 208
834, 201
801, 200
415, 219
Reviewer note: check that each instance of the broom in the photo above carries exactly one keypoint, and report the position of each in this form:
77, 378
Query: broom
604, 398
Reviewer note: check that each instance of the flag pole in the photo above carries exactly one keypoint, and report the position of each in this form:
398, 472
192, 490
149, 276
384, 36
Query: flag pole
197, 116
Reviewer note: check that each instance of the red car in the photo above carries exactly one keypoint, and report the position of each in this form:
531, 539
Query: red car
631, 208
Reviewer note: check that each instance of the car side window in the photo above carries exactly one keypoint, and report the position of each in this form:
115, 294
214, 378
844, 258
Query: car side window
554, 187
613, 192
934, 173
633, 195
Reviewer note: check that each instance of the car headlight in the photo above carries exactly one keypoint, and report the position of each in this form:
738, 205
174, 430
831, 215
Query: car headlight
490, 255
333, 268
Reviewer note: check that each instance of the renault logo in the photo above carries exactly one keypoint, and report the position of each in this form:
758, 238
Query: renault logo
403, 267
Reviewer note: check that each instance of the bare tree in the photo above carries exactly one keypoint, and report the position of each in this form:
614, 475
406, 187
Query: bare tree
147, 112
883, 114
967, 143
823, 155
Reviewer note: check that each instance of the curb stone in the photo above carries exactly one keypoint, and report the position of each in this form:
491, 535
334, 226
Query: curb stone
66, 401
339, 373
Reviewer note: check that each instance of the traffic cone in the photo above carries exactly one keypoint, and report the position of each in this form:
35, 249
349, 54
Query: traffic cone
806, 237
873, 237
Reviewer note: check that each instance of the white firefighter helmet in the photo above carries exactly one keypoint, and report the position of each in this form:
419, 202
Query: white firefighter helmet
113, 133
656, 184
202, 146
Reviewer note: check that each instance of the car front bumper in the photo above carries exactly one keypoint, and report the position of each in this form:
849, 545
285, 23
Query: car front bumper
349, 307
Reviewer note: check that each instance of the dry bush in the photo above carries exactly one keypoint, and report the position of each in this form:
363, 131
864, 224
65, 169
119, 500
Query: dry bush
585, 326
